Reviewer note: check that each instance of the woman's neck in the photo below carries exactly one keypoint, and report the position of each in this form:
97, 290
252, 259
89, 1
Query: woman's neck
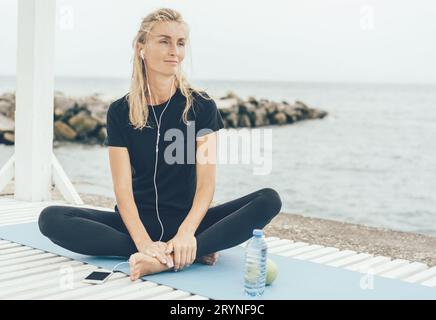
162, 88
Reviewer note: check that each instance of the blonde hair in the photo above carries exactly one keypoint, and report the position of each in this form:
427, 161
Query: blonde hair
138, 111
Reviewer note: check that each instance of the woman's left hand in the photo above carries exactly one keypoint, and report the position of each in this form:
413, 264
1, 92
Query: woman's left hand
184, 245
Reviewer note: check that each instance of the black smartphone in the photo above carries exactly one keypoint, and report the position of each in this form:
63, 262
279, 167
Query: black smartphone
97, 277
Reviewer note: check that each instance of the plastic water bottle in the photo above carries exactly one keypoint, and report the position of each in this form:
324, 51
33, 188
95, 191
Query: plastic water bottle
256, 252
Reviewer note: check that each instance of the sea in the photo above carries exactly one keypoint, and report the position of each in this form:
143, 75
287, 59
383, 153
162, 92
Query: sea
371, 161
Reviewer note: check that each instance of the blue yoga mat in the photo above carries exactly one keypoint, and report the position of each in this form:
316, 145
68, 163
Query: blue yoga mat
296, 279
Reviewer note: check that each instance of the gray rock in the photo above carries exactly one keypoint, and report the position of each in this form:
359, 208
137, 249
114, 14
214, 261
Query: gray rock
85, 117
253, 101
301, 105
98, 112
280, 118
9, 137
62, 104
244, 121
83, 123
227, 106
63, 131
8, 97
232, 120
270, 107
102, 134
261, 117
7, 108
6, 124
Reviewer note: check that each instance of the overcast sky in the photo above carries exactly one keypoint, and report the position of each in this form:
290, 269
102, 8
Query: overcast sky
310, 40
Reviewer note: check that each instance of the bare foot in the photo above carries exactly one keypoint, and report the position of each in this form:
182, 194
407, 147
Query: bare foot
209, 259
141, 265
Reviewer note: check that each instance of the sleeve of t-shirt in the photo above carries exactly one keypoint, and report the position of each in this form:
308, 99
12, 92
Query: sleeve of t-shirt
209, 118
116, 134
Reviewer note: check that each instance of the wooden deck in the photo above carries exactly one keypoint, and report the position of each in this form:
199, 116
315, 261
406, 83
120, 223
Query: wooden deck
27, 273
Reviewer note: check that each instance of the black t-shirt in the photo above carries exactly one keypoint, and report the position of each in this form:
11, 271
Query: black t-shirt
175, 180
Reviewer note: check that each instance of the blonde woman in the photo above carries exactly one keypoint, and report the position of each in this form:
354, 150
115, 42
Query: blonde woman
162, 218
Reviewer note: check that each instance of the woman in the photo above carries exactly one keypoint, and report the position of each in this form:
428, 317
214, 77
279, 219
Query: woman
162, 219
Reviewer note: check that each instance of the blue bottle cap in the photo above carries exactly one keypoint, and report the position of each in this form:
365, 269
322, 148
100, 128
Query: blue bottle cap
257, 232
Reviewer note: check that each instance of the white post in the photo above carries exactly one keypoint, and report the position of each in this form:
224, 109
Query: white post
34, 99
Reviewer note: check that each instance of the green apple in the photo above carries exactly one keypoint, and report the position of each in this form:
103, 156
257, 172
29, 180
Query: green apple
271, 271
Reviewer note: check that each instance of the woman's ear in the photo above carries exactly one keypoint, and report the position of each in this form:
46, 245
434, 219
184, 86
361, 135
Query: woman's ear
140, 49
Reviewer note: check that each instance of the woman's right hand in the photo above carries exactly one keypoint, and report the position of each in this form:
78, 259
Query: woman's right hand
156, 249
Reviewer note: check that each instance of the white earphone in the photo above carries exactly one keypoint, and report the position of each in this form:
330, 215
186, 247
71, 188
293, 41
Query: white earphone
155, 164
157, 143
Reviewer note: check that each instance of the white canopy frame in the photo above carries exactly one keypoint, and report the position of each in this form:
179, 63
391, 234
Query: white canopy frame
33, 166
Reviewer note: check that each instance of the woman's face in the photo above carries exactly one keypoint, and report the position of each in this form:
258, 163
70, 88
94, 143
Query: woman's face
164, 50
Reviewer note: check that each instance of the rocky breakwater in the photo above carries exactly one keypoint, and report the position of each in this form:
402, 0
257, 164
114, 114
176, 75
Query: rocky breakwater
237, 112
83, 119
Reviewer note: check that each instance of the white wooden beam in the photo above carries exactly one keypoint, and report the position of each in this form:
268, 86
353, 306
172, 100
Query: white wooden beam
33, 165
63, 184
34, 99
7, 173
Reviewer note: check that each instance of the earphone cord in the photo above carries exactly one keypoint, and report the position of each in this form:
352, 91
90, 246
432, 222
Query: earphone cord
155, 166
113, 269
157, 152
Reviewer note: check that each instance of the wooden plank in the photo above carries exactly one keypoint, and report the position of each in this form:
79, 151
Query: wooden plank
40, 294
272, 238
116, 281
24, 206
14, 213
32, 258
6, 199
422, 276
430, 282
12, 216
52, 292
31, 265
269, 239
34, 280
26, 253
144, 294
9, 245
369, 264
17, 291
390, 266
37, 270
173, 295
288, 247
316, 254
278, 243
21, 216
405, 271
18, 221
334, 256
301, 250
133, 287
196, 297
14, 250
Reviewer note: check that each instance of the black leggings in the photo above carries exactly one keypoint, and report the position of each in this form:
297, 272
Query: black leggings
103, 233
